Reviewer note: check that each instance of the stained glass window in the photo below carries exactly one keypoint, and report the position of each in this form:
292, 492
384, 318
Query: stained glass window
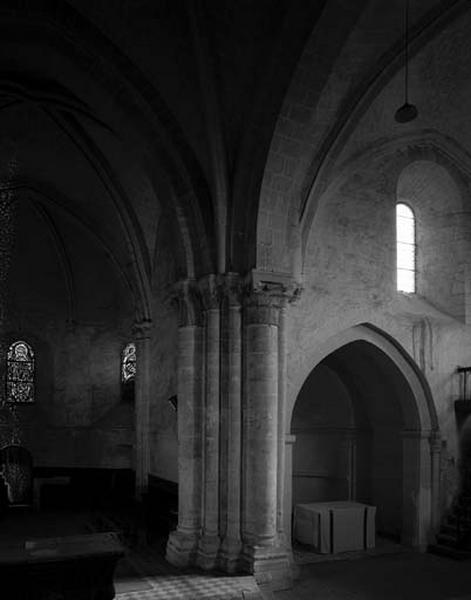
20, 373
128, 363
405, 248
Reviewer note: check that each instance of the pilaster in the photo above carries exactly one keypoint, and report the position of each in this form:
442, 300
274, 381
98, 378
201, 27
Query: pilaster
182, 544
208, 548
435, 441
417, 488
142, 335
264, 545
231, 422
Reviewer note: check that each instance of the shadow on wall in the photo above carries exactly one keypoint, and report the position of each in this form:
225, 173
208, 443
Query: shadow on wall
348, 422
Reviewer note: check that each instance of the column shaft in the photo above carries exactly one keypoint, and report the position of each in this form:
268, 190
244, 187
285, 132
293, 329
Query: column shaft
417, 480
261, 432
231, 546
263, 553
141, 413
183, 542
290, 440
435, 453
281, 420
210, 540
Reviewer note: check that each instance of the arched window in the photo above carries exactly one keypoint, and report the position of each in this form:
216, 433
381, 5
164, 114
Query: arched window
20, 373
405, 248
128, 371
128, 363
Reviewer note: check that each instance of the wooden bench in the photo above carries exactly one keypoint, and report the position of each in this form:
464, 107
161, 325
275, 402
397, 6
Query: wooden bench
79, 567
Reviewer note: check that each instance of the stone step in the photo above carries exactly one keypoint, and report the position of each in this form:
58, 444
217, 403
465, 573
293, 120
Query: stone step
449, 552
447, 539
452, 520
449, 529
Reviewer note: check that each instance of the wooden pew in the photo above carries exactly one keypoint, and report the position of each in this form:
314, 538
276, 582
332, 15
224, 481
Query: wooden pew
78, 567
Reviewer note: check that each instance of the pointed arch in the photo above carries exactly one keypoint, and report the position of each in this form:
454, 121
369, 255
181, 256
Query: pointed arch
405, 249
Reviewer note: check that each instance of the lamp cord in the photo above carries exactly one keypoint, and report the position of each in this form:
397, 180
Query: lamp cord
406, 54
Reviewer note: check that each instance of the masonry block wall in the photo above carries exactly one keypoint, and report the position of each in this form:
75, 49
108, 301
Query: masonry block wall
163, 423
350, 278
79, 418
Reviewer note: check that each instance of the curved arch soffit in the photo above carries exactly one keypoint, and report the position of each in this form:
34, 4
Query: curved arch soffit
64, 259
318, 170
320, 173
104, 172
421, 417
84, 45
392, 157
42, 198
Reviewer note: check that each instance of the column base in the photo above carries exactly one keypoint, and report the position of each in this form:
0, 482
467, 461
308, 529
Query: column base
208, 551
269, 565
413, 543
230, 555
181, 548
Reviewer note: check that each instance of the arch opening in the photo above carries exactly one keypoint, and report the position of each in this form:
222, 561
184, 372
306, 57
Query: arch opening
358, 436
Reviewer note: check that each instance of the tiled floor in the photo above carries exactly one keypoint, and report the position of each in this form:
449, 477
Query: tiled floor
195, 587
393, 573
165, 582
161, 580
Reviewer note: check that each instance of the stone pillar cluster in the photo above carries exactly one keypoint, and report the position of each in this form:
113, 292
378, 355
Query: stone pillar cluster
231, 380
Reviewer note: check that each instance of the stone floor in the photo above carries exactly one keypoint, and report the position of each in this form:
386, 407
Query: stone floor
394, 576
154, 579
388, 572
143, 574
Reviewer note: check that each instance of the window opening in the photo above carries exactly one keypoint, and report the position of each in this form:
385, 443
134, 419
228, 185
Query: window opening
405, 249
20, 373
128, 363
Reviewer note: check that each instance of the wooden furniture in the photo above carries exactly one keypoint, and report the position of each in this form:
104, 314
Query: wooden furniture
79, 567
335, 526
160, 507
17, 473
39, 482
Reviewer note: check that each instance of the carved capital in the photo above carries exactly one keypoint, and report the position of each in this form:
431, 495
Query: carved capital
266, 294
279, 283
210, 288
189, 303
435, 442
141, 329
262, 307
233, 289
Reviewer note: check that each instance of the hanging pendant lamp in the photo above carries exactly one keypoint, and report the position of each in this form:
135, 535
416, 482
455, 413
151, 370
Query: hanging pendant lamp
407, 112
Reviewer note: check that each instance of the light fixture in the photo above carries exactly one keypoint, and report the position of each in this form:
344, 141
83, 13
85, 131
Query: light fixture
407, 112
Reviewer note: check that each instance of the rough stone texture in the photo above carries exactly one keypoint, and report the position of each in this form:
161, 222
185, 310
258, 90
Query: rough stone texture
164, 148
78, 418
349, 278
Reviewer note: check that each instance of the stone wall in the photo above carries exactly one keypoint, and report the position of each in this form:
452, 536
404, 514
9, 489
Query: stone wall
163, 416
350, 279
77, 331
